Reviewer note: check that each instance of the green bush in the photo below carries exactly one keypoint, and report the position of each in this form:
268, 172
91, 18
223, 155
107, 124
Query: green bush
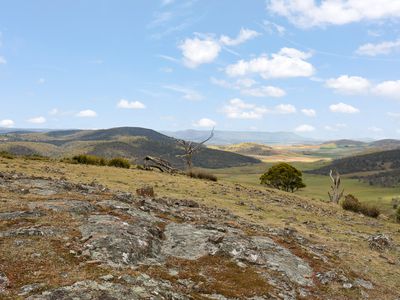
89, 160
6, 154
351, 203
119, 163
202, 175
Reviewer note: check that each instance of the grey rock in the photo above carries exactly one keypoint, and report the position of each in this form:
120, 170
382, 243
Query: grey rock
364, 283
4, 282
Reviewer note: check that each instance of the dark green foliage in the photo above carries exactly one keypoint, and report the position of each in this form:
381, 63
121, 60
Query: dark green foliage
284, 177
119, 163
89, 160
202, 175
351, 203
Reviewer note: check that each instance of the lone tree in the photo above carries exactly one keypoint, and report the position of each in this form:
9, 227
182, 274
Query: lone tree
284, 177
191, 148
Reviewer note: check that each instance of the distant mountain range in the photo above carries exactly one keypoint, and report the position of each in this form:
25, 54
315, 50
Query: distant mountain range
237, 137
130, 142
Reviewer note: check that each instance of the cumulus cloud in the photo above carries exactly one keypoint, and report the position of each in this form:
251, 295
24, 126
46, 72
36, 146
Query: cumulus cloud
250, 87
304, 128
288, 62
284, 109
37, 120
310, 13
205, 123
238, 109
264, 91
309, 112
349, 84
187, 94
379, 49
343, 108
125, 104
390, 89
198, 51
243, 36
88, 113
7, 123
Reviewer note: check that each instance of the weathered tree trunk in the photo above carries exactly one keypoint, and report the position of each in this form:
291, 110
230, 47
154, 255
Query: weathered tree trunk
335, 194
158, 163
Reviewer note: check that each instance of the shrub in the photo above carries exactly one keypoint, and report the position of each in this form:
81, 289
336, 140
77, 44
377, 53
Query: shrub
202, 175
89, 160
351, 203
119, 163
283, 176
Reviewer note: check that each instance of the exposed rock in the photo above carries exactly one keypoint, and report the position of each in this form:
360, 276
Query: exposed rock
146, 192
27, 289
380, 242
74, 206
4, 282
364, 283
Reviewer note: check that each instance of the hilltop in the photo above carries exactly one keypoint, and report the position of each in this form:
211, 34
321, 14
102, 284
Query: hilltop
133, 143
64, 235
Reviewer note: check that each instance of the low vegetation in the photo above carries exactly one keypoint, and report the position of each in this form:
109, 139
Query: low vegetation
93, 160
397, 215
284, 177
202, 175
351, 203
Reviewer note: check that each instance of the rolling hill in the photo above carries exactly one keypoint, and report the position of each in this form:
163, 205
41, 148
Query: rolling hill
133, 143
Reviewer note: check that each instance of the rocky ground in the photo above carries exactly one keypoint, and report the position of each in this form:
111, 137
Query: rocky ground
63, 240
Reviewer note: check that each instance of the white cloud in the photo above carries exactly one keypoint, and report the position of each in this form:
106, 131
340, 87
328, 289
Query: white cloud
37, 120
205, 123
389, 89
41, 81
198, 51
272, 27
393, 115
309, 112
377, 49
2, 60
7, 123
309, 13
288, 62
238, 109
243, 36
54, 112
188, 94
130, 105
264, 91
285, 109
349, 84
343, 108
88, 113
304, 128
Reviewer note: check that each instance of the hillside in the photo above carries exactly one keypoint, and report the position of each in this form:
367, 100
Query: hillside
129, 142
377, 168
65, 236
251, 149
237, 137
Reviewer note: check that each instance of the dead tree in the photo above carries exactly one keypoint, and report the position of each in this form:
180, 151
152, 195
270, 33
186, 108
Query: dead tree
158, 163
335, 194
191, 148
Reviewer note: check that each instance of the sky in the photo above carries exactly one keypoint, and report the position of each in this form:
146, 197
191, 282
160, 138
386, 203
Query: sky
323, 69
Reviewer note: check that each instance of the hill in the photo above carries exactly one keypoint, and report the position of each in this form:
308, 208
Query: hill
377, 168
237, 137
133, 143
82, 232
251, 149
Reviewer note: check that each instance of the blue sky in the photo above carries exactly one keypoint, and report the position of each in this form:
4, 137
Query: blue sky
324, 69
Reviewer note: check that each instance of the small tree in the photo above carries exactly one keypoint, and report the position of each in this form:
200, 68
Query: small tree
284, 177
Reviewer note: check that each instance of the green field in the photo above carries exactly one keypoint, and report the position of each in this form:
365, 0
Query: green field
317, 185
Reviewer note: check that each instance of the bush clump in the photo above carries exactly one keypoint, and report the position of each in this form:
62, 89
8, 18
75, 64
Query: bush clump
7, 155
202, 175
351, 203
89, 160
397, 215
119, 163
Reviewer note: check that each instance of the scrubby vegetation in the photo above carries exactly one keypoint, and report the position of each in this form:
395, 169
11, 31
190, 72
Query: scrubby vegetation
119, 163
202, 175
351, 203
85, 159
397, 215
284, 177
